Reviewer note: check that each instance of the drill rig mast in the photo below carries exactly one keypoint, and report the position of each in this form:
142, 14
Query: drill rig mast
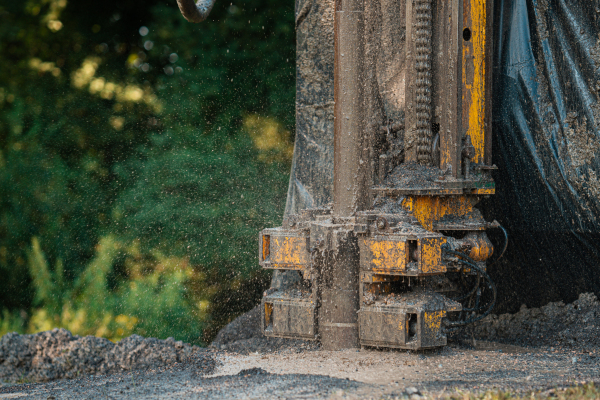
383, 264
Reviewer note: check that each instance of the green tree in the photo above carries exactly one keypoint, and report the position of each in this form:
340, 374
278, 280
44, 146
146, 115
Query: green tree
120, 118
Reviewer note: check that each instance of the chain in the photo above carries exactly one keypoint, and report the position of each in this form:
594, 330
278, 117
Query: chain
423, 49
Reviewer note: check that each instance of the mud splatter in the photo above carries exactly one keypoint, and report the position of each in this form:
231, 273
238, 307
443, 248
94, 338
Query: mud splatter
582, 143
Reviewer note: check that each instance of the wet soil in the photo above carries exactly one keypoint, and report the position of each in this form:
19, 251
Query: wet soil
413, 175
185, 383
57, 354
557, 325
349, 374
536, 349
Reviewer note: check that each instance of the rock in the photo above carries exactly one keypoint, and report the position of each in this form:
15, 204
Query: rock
412, 390
252, 371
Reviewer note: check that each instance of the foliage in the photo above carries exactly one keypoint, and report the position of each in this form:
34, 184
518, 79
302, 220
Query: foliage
152, 301
122, 123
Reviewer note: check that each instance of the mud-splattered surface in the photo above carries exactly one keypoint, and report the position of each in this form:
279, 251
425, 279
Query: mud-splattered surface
244, 336
413, 175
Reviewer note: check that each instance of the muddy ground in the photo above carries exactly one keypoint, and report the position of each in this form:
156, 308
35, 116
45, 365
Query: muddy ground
536, 349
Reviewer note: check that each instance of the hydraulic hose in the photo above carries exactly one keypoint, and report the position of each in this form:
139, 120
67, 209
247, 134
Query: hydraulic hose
466, 296
469, 263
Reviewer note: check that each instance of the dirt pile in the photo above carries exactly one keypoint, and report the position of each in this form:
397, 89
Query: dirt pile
244, 335
57, 354
575, 325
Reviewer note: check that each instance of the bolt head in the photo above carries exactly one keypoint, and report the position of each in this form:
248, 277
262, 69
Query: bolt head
381, 223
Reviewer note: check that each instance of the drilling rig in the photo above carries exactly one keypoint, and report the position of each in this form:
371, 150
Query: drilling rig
399, 257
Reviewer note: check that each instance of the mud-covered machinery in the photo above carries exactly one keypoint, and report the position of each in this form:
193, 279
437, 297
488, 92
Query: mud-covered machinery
399, 257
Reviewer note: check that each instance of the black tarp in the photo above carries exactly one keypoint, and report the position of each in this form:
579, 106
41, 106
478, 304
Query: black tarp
546, 127
546, 143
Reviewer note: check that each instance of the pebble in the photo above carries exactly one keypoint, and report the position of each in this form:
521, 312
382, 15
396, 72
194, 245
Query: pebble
412, 390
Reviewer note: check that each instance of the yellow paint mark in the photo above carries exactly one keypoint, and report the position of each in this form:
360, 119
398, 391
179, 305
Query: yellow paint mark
379, 278
289, 250
475, 85
268, 313
430, 209
288, 266
431, 255
388, 254
482, 192
266, 246
433, 319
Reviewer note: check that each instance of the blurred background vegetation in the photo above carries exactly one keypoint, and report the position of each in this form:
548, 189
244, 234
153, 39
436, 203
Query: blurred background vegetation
140, 155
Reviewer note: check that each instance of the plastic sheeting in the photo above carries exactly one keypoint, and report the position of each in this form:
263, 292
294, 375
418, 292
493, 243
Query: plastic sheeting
546, 143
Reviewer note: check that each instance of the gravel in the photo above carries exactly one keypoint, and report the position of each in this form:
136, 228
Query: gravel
57, 354
253, 383
534, 349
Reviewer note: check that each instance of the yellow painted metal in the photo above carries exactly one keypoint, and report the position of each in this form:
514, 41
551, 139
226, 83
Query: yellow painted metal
433, 320
268, 313
431, 255
288, 251
474, 74
266, 245
481, 253
430, 209
405, 324
374, 278
484, 192
481, 246
387, 255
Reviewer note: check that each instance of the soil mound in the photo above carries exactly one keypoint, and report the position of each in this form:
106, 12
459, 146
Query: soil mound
575, 325
57, 354
244, 335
